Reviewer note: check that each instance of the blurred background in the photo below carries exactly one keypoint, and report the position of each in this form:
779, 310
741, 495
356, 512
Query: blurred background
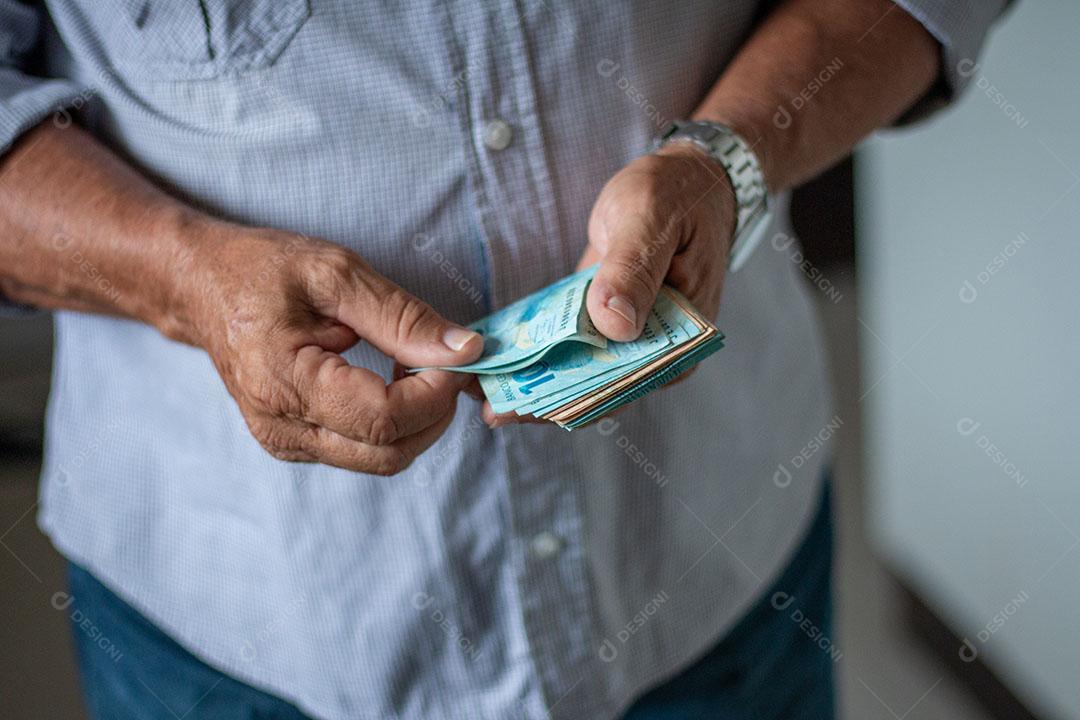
943, 261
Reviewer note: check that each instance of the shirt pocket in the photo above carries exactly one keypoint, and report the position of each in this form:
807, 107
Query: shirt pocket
194, 39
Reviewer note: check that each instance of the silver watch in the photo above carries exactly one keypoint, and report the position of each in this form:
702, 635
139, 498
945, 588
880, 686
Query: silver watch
743, 169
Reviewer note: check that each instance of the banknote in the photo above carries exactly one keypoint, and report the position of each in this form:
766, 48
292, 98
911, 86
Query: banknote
573, 368
704, 340
674, 335
543, 357
521, 333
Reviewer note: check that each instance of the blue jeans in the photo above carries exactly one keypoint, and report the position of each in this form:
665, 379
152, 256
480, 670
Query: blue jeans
776, 663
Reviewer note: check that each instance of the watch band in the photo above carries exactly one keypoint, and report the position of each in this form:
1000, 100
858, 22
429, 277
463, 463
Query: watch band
744, 171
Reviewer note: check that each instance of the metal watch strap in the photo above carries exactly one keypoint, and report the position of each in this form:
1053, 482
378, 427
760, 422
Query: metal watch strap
744, 171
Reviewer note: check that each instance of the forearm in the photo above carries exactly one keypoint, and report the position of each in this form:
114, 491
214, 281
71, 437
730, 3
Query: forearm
877, 61
81, 230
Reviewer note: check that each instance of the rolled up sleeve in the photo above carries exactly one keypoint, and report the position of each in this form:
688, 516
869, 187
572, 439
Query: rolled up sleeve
960, 27
26, 99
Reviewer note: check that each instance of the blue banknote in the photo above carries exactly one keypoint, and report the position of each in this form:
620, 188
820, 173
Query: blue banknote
524, 331
574, 368
543, 356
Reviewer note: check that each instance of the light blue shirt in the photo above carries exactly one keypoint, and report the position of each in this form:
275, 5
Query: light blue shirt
458, 146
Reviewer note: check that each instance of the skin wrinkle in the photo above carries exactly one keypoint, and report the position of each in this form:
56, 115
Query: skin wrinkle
191, 275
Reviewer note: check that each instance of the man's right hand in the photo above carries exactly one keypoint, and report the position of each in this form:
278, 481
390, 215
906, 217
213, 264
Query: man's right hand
275, 310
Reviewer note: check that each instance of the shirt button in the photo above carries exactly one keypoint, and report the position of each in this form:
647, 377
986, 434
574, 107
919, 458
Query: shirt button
546, 545
497, 135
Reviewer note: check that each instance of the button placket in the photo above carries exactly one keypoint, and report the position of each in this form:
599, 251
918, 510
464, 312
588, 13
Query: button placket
514, 195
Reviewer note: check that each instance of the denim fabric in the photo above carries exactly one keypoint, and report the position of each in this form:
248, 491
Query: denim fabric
776, 664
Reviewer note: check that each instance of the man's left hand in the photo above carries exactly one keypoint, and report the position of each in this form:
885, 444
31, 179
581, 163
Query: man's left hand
666, 217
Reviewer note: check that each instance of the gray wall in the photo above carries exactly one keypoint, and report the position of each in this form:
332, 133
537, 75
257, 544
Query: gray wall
968, 262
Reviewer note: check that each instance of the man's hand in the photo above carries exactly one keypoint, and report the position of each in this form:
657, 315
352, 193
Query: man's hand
275, 310
664, 218
667, 217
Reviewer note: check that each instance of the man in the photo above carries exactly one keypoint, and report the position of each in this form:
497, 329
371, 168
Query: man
247, 213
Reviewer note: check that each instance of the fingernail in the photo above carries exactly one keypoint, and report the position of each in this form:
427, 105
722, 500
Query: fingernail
456, 338
622, 307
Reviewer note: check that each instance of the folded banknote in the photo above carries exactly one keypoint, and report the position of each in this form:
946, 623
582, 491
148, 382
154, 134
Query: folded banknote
543, 357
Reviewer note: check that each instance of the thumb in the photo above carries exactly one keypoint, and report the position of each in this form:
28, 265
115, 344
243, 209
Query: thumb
403, 326
631, 272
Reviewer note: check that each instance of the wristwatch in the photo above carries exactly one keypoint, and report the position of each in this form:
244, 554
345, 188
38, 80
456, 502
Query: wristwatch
743, 169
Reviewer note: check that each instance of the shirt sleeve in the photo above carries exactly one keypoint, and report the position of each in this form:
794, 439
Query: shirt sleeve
960, 27
26, 99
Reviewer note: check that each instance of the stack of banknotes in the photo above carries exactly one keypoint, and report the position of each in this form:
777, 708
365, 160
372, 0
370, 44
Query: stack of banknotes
543, 357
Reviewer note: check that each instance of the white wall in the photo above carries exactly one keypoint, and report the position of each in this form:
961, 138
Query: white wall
992, 186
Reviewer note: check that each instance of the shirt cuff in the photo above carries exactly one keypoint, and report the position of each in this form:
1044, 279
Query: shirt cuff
26, 100
960, 27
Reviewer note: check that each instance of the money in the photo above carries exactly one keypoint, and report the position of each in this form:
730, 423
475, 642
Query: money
524, 331
543, 357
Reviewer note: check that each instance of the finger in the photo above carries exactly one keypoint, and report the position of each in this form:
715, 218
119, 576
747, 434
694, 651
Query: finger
684, 275
334, 449
356, 403
398, 323
630, 274
474, 390
589, 258
699, 279
332, 335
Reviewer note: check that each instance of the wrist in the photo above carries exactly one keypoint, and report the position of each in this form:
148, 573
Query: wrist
761, 134
184, 282
754, 176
